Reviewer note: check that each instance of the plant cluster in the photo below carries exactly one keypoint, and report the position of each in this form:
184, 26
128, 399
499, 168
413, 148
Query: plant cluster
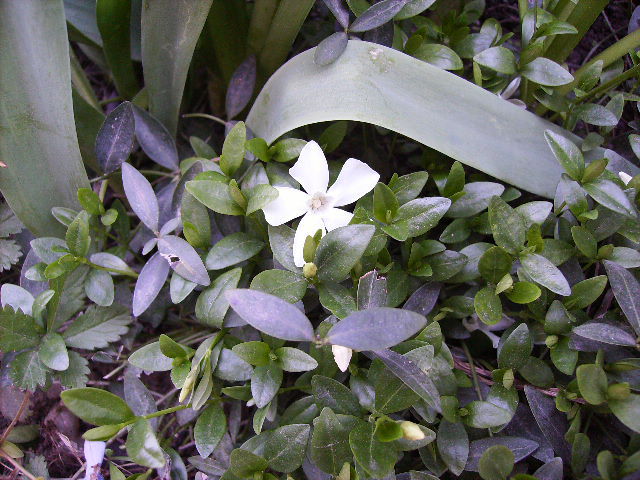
258, 312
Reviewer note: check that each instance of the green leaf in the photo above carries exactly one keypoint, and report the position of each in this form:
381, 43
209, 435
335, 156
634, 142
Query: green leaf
184, 259
596, 115
285, 447
627, 292
439, 56
376, 15
265, 382
586, 292
453, 445
524, 292
294, 360
301, 93
408, 187
53, 352
516, 348
233, 149
340, 249
422, 214
543, 272
77, 374
485, 415
546, 72
494, 264
287, 285
114, 19
507, 226
150, 358
610, 195
592, 382
391, 394
233, 249
259, 196
496, 463
498, 59
626, 257
332, 394
27, 371
77, 236
10, 253
97, 407
627, 411
17, 330
171, 348
334, 134
281, 242
585, 241
99, 288
567, 154
215, 196
605, 333
209, 429
329, 443
177, 27
271, 315
142, 445
39, 142
375, 328
255, 353
245, 464
337, 299
212, 304
374, 456
98, 327
385, 203
488, 306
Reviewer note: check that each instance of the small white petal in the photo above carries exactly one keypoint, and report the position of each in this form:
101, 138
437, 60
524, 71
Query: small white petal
342, 356
93, 454
335, 217
355, 180
625, 177
311, 170
291, 203
309, 225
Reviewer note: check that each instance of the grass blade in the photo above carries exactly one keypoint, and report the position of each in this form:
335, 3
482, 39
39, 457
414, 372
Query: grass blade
37, 133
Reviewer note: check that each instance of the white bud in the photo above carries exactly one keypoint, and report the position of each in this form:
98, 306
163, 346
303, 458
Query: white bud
342, 356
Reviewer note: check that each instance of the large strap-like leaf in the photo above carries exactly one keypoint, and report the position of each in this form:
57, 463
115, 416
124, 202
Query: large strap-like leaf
170, 30
38, 139
374, 84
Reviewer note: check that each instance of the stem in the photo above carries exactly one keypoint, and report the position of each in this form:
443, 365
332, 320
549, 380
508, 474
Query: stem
18, 466
474, 375
166, 411
23, 405
205, 115
107, 269
608, 56
605, 87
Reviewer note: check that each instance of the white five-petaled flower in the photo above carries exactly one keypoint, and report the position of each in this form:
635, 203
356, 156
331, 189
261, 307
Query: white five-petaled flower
317, 203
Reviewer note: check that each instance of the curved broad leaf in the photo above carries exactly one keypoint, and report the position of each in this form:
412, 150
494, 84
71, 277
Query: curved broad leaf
38, 142
385, 87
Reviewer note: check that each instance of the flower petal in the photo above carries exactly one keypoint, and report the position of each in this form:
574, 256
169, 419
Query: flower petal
291, 203
355, 180
625, 177
311, 169
94, 455
342, 356
335, 217
309, 225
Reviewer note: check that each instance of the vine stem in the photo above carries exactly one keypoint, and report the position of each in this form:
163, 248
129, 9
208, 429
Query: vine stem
24, 471
107, 269
23, 405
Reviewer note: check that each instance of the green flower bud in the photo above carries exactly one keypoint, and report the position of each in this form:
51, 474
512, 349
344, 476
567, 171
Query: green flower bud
309, 270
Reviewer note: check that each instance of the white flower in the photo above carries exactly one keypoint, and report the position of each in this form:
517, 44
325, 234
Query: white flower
342, 356
317, 203
94, 455
625, 177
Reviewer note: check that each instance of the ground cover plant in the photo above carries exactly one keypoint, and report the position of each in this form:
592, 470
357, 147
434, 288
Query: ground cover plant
338, 239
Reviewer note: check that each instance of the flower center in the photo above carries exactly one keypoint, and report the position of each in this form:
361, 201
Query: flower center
318, 201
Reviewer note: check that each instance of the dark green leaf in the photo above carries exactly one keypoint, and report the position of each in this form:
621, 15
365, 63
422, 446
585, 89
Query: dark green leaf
377, 15
17, 330
592, 381
567, 154
214, 195
329, 443
610, 195
546, 72
287, 285
488, 306
627, 292
233, 149
285, 447
330, 49
340, 249
212, 304
453, 445
374, 456
209, 429
142, 445
96, 406
337, 299
507, 226
53, 352
232, 249
496, 463
334, 395
516, 348
543, 272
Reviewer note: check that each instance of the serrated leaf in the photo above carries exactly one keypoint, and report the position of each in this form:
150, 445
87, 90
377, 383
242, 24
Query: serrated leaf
17, 330
27, 371
97, 327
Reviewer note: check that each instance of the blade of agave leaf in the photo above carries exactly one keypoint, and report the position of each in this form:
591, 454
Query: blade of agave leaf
81, 15
37, 133
374, 84
81, 82
170, 30
227, 23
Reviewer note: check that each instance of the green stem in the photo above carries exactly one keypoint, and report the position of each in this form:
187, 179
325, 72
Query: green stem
611, 84
284, 29
263, 12
608, 56
474, 375
205, 115
166, 411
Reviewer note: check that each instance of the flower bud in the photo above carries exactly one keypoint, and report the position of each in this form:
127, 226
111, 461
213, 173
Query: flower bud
618, 391
309, 270
551, 341
411, 431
